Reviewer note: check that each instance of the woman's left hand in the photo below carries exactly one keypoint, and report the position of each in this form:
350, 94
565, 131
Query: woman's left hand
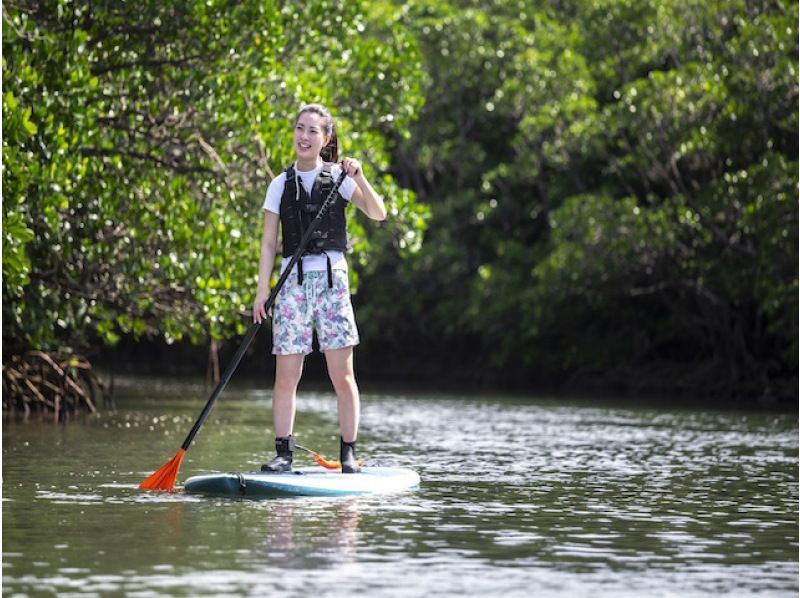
352, 167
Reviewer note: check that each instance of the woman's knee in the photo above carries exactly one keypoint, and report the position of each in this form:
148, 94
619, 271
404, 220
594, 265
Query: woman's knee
288, 371
342, 375
341, 370
343, 380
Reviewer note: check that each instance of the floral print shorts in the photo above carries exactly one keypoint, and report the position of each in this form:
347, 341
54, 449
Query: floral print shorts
300, 309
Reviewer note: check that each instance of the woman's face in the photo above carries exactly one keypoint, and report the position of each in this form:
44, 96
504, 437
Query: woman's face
309, 135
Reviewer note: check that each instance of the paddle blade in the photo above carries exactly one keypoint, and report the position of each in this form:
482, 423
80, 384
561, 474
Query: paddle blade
164, 477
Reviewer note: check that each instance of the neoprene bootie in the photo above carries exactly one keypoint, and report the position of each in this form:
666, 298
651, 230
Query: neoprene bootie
283, 462
347, 456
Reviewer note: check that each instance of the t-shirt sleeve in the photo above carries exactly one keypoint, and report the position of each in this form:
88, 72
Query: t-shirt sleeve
348, 185
272, 202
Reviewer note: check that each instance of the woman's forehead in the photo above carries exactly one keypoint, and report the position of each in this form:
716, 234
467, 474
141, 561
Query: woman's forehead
311, 119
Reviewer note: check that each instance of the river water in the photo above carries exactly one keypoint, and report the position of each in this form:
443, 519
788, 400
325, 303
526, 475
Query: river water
519, 497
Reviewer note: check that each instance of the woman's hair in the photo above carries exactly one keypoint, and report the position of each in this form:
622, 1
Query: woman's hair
329, 153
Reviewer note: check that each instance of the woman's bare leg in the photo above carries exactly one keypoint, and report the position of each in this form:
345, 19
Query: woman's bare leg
288, 369
340, 370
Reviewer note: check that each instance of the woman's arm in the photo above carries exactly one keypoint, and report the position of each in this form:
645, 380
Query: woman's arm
364, 197
269, 244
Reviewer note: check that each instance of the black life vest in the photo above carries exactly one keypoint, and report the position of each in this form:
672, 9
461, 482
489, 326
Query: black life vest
298, 210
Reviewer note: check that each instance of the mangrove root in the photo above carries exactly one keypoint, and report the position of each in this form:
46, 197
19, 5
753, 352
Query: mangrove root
51, 383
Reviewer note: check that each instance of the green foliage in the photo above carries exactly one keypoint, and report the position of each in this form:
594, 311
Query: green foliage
16, 234
613, 193
608, 188
139, 140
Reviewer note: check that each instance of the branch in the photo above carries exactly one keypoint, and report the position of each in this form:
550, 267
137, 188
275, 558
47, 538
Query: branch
135, 31
208, 149
102, 152
101, 70
259, 142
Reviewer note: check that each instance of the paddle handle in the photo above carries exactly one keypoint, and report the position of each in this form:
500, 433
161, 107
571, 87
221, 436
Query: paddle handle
226, 375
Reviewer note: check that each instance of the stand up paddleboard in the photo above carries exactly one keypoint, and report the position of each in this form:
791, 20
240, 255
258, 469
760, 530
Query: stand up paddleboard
304, 481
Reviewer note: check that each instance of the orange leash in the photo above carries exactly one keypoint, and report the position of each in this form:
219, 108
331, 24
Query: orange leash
322, 460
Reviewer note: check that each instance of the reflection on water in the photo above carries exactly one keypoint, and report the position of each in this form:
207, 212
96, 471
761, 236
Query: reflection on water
516, 499
310, 533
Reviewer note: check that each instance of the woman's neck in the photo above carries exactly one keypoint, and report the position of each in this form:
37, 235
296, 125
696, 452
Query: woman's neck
306, 165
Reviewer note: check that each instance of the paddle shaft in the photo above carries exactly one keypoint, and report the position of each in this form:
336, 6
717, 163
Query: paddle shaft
226, 375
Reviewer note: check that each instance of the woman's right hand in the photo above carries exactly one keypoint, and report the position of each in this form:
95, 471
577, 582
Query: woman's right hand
259, 313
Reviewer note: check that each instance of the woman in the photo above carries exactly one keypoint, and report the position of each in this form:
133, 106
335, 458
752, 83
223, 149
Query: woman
317, 296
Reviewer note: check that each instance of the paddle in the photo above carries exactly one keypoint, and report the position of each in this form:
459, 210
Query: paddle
164, 477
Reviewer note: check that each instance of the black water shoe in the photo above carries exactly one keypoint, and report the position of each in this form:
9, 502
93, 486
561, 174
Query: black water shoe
347, 456
283, 462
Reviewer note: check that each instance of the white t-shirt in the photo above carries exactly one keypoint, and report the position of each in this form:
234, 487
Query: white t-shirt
272, 203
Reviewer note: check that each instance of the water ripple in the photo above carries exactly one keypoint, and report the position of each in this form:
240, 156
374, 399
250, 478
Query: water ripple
517, 498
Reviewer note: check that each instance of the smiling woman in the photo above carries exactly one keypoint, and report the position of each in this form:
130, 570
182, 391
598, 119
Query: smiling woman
318, 297
134, 144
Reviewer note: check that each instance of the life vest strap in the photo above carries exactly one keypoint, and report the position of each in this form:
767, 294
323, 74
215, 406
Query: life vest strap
329, 269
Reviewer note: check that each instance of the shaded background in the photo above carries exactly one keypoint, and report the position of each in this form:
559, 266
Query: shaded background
583, 195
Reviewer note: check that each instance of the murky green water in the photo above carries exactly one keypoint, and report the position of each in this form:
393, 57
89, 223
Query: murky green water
518, 498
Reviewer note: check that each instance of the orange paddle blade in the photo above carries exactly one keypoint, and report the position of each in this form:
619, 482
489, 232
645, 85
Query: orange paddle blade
164, 477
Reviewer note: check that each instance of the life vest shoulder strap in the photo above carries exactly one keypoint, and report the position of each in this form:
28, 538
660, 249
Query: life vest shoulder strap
324, 181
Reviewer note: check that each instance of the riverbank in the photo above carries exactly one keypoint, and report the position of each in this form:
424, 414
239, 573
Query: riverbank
381, 372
